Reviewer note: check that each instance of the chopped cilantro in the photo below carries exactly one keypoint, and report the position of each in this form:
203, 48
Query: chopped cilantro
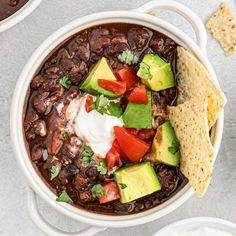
64, 133
122, 186
101, 103
128, 57
114, 109
145, 71
103, 106
102, 168
55, 170
175, 147
64, 197
98, 191
65, 81
86, 155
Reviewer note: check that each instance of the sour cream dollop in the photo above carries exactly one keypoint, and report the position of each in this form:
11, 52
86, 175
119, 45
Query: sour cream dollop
204, 231
95, 129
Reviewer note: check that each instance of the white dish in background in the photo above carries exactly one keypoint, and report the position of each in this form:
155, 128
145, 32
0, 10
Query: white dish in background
190, 225
18, 16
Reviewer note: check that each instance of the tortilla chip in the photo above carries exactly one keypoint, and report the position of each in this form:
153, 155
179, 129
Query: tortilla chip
195, 81
189, 121
223, 28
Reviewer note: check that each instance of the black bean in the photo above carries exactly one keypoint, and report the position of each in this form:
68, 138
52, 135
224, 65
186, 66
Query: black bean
81, 182
36, 153
92, 173
86, 196
99, 40
139, 206
72, 170
36, 82
39, 102
40, 128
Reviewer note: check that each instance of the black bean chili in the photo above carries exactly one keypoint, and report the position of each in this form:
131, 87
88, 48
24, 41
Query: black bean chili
48, 147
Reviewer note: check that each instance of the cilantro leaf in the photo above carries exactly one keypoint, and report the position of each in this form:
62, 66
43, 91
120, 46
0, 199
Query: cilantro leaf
122, 186
145, 71
64, 133
93, 106
128, 57
101, 103
65, 81
103, 106
102, 168
55, 170
114, 109
98, 191
64, 197
86, 155
174, 148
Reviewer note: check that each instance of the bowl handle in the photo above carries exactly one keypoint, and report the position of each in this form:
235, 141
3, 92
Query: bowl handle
50, 229
189, 15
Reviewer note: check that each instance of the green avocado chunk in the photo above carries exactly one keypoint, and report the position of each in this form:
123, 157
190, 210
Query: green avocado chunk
136, 181
100, 71
139, 115
156, 73
165, 145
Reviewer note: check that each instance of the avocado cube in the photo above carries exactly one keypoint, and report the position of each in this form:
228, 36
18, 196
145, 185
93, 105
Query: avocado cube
139, 115
100, 71
165, 145
136, 181
156, 73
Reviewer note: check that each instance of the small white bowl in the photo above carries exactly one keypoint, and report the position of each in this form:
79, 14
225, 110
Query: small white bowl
18, 16
197, 222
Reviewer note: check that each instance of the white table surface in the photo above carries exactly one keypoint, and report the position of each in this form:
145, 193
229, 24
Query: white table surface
18, 43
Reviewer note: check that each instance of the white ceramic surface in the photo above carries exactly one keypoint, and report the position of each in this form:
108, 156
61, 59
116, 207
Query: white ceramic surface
197, 222
18, 16
138, 16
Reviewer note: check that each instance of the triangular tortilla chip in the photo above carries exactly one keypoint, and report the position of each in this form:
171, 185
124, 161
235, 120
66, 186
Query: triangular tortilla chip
189, 121
195, 81
222, 26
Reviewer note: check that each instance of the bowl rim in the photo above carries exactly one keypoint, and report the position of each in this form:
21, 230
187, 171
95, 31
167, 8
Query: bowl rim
16, 124
19, 15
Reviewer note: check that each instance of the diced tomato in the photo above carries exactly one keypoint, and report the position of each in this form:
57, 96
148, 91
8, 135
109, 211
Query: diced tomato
112, 192
139, 95
133, 147
127, 75
88, 103
117, 87
112, 158
116, 146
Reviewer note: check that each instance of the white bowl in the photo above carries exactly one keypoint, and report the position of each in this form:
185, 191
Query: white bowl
197, 222
18, 16
137, 16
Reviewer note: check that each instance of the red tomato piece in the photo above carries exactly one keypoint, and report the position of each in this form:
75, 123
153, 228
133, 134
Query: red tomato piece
127, 75
88, 103
116, 146
133, 147
116, 87
139, 95
112, 192
112, 158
